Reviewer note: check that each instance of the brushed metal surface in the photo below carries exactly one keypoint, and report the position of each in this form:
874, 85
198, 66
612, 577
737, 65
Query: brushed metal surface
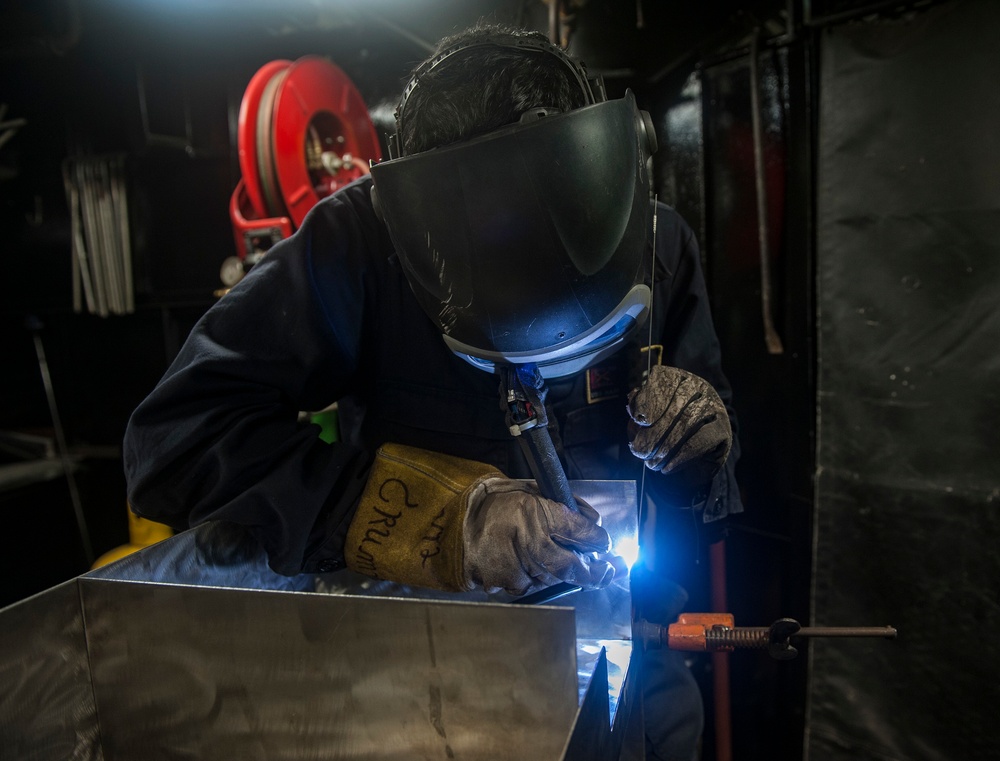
225, 556
188, 672
210, 555
47, 709
194, 648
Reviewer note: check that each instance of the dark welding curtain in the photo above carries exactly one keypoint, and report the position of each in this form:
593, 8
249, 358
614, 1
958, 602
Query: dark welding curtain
908, 484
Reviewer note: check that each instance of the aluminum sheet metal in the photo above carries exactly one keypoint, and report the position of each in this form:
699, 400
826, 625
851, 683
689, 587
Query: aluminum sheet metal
223, 555
194, 648
47, 708
183, 672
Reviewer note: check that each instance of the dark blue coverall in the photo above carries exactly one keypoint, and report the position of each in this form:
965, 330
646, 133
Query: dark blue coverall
328, 316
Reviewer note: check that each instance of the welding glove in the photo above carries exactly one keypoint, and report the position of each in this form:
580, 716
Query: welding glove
680, 427
432, 520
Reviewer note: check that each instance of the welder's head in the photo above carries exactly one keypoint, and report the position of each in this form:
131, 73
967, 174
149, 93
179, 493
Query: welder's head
517, 198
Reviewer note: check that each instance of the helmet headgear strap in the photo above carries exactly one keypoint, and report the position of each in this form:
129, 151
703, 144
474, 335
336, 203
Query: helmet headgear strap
591, 87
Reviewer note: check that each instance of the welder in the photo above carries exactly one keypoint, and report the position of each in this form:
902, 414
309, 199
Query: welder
512, 225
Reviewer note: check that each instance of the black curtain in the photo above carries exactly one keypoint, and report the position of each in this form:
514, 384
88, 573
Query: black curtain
908, 476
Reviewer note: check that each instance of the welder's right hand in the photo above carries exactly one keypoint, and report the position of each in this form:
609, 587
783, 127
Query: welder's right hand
433, 520
517, 540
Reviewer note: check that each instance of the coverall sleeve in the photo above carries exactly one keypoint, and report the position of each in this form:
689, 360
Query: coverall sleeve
219, 438
689, 340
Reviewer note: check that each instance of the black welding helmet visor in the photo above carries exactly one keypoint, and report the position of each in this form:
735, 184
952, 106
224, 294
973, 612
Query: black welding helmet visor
525, 245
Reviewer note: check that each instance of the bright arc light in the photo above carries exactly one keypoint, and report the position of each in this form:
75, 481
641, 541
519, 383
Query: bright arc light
627, 549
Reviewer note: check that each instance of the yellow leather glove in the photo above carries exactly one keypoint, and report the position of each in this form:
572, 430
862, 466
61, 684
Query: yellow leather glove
432, 520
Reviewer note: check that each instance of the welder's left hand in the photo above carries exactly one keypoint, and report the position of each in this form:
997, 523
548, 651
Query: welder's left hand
679, 426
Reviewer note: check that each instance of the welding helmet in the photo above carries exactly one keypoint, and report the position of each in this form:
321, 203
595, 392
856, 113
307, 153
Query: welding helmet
525, 245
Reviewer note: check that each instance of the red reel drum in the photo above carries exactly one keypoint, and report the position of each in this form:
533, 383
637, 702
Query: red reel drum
265, 80
322, 137
304, 131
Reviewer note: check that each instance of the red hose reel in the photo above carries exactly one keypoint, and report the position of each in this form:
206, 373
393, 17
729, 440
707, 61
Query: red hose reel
304, 131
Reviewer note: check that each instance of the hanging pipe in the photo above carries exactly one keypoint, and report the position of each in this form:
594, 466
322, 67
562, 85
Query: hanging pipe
771, 338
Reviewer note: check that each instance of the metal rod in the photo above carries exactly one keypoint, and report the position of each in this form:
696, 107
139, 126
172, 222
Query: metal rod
720, 659
771, 338
548, 594
81, 521
888, 632
78, 246
94, 259
119, 194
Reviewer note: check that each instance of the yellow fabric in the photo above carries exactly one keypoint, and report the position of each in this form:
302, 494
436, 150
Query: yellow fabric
141, 533
410, 523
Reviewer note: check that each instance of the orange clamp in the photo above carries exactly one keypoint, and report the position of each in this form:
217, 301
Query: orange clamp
690, 630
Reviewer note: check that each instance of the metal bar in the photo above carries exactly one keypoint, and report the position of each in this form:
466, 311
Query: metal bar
887, 632
771, 338
81, 521
90, 238
78, 252
119, 193
723, 722
105, 228
114, 232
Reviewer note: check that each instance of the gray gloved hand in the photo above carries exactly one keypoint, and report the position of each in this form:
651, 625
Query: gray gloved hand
679, 426
433, 520
517, 540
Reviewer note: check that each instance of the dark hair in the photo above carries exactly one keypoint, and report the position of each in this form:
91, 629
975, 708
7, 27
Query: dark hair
483, 88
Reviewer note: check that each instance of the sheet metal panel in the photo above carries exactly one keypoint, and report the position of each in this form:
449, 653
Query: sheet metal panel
47, 709
210, 555
223, 555
186, 672
194, 648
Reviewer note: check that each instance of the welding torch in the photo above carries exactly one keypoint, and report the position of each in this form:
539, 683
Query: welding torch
522, 392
